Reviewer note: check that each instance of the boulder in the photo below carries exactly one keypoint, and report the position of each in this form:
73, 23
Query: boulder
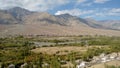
11, 66
24, 65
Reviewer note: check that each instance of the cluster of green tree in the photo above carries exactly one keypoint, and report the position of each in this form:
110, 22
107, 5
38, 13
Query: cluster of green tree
89, 41
102, 40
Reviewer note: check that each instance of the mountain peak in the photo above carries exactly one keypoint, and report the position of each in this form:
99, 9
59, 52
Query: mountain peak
17, 9
44, 13
65, 15
18, 12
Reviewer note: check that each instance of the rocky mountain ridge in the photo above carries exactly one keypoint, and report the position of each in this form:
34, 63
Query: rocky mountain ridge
21, 21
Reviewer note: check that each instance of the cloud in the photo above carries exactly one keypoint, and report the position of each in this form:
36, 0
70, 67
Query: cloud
81, 1
45, 5
34, 5
100, 1
74, 12
87, 4
115, 10
109, 12
94, 13
105, 13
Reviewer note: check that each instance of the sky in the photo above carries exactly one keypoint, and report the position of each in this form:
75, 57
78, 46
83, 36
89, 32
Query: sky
96, 9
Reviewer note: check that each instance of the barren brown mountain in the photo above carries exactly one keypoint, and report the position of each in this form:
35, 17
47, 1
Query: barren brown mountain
42, 23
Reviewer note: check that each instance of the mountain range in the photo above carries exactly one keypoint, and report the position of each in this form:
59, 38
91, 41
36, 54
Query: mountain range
114, 24
19, 21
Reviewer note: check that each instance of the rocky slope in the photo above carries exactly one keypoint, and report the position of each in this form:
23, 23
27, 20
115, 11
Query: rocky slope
6, 18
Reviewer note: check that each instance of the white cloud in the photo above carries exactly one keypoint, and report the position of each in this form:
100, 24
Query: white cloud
115, 10
109, 12
81, 1
44, 5
100, 1
95, 13
34, 5
104, 13
74, 12
87, 4
100, 14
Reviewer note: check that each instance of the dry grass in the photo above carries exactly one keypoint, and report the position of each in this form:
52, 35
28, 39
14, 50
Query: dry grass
61, 50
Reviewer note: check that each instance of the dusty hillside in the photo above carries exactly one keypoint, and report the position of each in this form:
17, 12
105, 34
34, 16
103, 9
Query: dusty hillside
36, 29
